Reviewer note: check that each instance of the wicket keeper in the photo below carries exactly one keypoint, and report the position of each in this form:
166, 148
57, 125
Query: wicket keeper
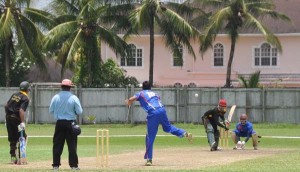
244, 129
211, 122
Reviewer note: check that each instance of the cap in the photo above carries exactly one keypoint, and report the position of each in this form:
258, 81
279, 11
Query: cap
66, 82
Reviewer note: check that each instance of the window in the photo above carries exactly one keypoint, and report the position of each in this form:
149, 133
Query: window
178, 60
265, 55
136, 59
218, 55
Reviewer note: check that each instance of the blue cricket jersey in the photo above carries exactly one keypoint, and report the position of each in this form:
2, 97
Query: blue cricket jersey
244, 130
149, 100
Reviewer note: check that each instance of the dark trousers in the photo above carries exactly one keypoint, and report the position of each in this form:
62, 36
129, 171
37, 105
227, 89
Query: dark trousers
63, 132
13, 133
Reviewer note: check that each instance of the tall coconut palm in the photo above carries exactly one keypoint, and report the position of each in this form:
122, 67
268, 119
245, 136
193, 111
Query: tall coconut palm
18, 32
231, 16
78, 35
176, 31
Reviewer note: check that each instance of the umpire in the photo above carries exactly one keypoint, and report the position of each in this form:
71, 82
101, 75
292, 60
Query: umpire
65, 107
15, 115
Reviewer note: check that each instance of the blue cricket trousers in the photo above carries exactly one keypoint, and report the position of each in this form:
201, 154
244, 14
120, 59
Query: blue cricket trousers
154, 118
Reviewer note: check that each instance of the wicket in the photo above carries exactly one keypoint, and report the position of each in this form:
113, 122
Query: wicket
104, 134
224, 138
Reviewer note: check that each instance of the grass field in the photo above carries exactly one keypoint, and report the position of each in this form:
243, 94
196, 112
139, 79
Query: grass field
130, 138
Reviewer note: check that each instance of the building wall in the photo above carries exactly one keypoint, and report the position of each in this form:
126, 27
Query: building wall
202, 72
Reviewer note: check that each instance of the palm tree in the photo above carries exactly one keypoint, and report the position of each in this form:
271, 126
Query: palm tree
231, 16
18, 32
176, 31
252, 82
78, 35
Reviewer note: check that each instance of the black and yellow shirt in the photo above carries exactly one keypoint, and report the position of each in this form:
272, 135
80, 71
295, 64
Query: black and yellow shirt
213, 116
16, 102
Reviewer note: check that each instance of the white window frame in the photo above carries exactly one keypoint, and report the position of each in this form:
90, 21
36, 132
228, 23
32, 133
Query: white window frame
269, 55
213, 56
136, 58
183, 60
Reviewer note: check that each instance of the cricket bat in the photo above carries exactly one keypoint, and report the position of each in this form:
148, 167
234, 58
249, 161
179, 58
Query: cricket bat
231, 113
22, 147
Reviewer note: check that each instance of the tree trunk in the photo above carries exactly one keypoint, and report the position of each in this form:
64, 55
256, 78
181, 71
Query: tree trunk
151, 51
228, 74
7, 56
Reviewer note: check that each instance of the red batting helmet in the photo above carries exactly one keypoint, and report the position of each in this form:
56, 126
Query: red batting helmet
243, 117
222, 103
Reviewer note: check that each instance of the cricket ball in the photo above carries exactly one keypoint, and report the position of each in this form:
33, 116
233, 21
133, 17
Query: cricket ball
196, 95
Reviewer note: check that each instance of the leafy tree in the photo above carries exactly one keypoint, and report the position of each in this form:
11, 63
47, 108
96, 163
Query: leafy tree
18, 32
82, 26
110, 75
253, 81
154, 16
231, 16
114, 76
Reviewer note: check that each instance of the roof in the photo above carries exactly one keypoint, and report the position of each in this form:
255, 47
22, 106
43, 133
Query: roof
51, 74
291, 9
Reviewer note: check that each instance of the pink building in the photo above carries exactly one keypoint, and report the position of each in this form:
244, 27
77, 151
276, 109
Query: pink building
252, 53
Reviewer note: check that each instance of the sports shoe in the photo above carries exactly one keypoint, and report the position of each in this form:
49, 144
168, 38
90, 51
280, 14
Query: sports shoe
13, 160
149, 162
75, 168
55, 168
189, 136
214, 146
219, 148
255, 148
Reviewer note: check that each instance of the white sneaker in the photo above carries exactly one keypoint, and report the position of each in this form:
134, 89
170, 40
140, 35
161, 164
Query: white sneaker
148, 162
55, 168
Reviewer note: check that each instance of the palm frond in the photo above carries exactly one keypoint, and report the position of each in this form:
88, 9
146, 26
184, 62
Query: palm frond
243, 81
40, 17
6, 23
59, 33
63, 7
77, 42
118, 45
213, 28
33, 38
269, 36
254, 80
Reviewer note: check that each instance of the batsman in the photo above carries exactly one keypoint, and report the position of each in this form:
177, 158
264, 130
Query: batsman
15, 117
211, 122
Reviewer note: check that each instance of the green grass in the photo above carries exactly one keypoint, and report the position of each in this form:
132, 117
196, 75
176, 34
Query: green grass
40, 148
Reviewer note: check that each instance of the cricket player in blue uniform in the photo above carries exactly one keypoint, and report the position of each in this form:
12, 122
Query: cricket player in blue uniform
244, 129
151, 103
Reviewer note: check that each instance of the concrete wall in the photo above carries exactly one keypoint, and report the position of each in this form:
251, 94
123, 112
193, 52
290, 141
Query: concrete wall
107, 104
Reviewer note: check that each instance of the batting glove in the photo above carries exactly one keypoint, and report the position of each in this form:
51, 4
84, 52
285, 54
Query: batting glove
22, 126
243, 145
